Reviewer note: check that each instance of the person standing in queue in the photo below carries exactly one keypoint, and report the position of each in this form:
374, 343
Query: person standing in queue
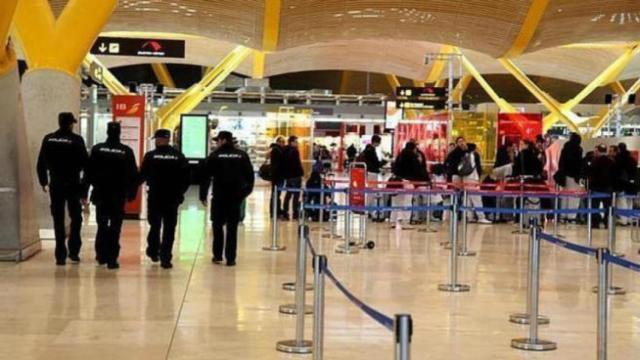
293, 172
277, 177
113, 174
370, 157
63, 157
166, 172
233, 180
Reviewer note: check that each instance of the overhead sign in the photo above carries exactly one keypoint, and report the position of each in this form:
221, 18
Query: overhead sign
194, 136
426, 97
118, 46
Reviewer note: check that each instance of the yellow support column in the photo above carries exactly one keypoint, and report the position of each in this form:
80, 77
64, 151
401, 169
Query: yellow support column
617, 87
461, 88
163, 75
393, 82
258, 64
529, 27
7, 55
345, 80
92, 65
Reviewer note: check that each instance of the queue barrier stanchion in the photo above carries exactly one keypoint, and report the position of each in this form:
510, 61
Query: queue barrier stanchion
533, 342
333, 216
428, 228
453, 285
520, 230
319, 267
403, 326
603, 313
556, 207
299, 308
611, 245
274, 223
589, 219
464, 251
524, 318
291, 286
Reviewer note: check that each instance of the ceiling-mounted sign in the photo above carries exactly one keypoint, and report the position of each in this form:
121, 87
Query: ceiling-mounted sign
427, 97
117, 46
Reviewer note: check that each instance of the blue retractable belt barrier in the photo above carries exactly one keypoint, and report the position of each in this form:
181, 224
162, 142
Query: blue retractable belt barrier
536, 194
312, 190
567, 245
375, 208
622, 262
531, 211
627, 212
382, 319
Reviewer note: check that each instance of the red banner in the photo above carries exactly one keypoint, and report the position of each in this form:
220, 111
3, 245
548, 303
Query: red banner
430, 132
357, 181
129, 111
513, 127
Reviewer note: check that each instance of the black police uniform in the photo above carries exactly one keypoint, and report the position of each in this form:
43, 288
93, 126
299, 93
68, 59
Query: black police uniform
113, 174
166, 172
233, 181
63, 157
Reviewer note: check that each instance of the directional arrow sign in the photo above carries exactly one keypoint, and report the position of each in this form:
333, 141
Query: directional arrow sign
102, 48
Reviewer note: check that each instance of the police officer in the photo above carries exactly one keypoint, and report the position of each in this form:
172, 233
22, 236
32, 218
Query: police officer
166, 172
63, 157
233, 180
113, 174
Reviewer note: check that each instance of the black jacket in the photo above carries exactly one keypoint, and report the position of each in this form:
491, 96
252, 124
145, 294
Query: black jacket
626, 172
232, 174
63, 157
571, 160
528, 163
370, 157
291, 163
408, 167
601, 174
452, 161
112, 172
276, 158
502, 157
166, 172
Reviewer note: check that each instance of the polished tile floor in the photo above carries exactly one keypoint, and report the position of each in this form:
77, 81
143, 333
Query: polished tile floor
203, 311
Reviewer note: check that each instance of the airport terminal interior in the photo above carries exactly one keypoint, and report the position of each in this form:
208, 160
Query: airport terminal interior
388, 179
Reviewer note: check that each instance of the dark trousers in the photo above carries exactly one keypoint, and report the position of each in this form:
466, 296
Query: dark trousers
597, 217
109, 216
162, 217
68, 196
278, 194
225, 214
295, 195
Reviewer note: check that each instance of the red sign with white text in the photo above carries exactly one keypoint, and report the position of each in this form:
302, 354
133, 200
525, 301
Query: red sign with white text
357, 181
513, 127
129, 111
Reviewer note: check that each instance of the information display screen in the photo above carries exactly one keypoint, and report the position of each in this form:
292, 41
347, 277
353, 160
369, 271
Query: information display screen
194, 136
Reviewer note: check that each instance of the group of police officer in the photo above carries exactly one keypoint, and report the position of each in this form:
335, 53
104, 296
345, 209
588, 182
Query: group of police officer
66, 171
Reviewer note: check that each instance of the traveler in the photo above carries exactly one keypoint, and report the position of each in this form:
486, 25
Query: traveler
569, 171
625, 174
233, 179
407, 168
601, 180
370, 157
113, 174
277, 174
166, 172
292, 173
63, 157
351, 153
505, 155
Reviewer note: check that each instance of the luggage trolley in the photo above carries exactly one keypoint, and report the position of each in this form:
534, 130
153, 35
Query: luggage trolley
357, 181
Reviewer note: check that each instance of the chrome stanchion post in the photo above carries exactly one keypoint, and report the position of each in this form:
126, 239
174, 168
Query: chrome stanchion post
611, 245
322, 203
453, 285
319, 267
346, 247
523, 319
532, 342
274, 224
589, 218
556, 207
603, 313
403, 331
301, 275
463, 248
299, 345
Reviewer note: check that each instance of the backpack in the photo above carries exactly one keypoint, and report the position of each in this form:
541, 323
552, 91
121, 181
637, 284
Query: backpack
465, 167
265, 171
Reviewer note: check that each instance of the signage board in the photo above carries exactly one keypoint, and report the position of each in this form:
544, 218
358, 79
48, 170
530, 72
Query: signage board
513, 127
426, 97
119, 46
194, 136
357, 181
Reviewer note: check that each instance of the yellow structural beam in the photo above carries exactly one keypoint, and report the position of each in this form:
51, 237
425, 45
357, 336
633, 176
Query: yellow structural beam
551, 104
271, 25
438, 65
393, 82
345, 80
163, 75
622, 100
617, 87
503, 105
7, 55
258, 64
461, 88
417, 83
528, 29
608, 75
168, 116
60, 44
101, 74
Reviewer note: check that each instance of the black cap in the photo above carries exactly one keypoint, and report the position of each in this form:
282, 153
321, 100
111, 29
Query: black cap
162, 134
113, 129
224, 135
65, 119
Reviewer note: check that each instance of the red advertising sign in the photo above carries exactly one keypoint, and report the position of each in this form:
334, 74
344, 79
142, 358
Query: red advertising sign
513, 127
430, 132
357, 181
129, 111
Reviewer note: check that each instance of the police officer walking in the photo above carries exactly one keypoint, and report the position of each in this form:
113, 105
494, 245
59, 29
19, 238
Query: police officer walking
113, 174
166, 172
63, 156
233, 180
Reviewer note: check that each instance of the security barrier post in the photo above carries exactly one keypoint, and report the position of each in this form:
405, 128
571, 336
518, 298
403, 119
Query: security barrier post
521, 214
274, 223
532, 342
556, 207
319, 266
603, 314
611, 245
403, 326
453, 285
589, 218
299, 308
298, 345
346, 247
428, 228
523, 319
463, 247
